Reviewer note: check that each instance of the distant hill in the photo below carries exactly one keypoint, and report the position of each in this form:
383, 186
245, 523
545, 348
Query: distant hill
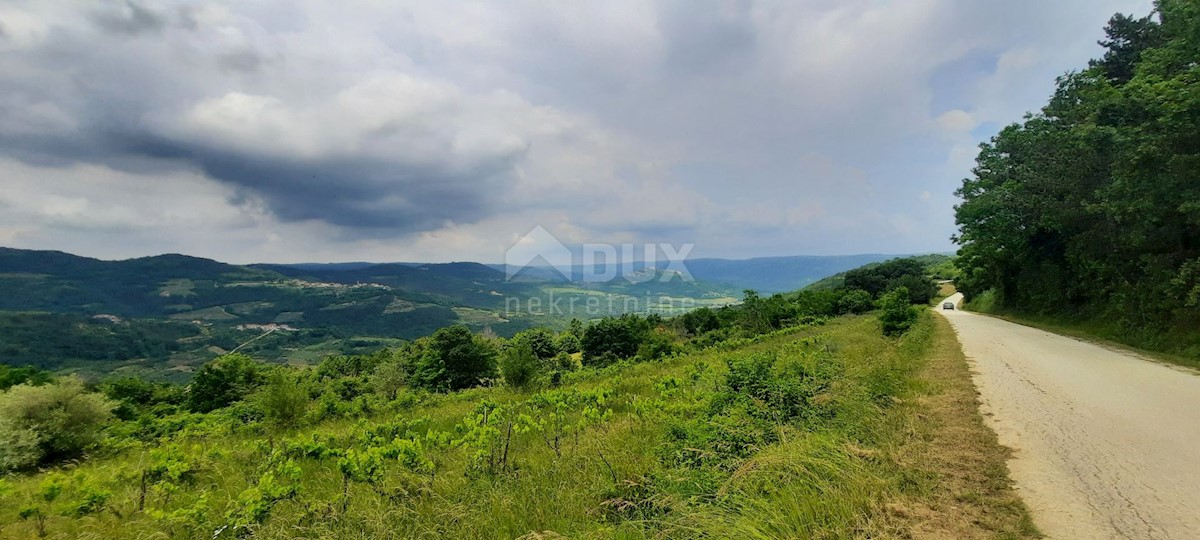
169, 313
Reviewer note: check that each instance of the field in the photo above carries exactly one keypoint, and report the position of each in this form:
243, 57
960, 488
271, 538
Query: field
827, 431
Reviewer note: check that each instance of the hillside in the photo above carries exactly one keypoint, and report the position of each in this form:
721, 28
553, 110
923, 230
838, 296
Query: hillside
167, 314
807, 428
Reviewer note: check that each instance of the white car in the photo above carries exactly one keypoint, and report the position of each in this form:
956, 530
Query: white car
948, 305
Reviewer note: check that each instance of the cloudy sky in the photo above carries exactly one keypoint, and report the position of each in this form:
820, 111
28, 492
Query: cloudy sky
298, 130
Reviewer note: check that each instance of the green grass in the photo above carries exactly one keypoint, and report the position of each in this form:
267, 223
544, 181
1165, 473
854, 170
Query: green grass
675, 458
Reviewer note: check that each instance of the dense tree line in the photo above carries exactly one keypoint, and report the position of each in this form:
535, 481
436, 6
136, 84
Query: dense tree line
1092, 205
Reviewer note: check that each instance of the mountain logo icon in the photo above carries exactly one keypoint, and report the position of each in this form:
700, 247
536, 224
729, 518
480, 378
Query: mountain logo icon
538, 248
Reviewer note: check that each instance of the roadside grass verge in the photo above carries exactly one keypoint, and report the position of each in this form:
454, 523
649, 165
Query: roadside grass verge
1180, 346
831, 431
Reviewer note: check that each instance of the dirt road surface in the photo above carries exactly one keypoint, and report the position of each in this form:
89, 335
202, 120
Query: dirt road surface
1106, 444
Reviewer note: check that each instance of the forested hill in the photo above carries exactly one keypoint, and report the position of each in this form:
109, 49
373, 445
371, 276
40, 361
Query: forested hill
1092, 206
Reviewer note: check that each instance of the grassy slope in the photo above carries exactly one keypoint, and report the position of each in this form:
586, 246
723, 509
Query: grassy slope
902, 454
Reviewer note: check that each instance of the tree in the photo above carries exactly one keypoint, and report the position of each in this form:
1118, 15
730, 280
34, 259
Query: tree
700, 320
855, 301
898, 315
613, 338
223, 381
1127, 37
62, 417
539, 340
1088, 208
389, 378
454, 359
519, 365
283, 400
877, 279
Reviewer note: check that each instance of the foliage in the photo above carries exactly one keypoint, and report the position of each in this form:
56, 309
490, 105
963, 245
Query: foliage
63, 418
878, 279
897, 314
699, 321
1089, 209
855, 301
11, 376
539, 340
223, 381
613, 338
519, 365
453, 359
283, 400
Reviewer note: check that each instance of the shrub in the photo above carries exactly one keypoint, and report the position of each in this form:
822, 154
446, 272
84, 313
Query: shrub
539, 340
699, 321
223, 381
62, 417
855, 301
519, 365
283, 400
613, 338
454, 359
898, 314
389, 378
658, 344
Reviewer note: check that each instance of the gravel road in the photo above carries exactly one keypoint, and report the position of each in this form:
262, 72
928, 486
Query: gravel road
1106, 444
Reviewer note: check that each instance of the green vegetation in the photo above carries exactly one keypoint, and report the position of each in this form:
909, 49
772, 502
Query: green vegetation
775, 435
1086, 213
777, 417
52, 422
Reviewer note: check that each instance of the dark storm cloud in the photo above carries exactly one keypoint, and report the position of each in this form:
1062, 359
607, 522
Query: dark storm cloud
762, 127
123, 98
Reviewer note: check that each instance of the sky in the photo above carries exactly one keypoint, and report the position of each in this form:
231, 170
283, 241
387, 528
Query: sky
316, 131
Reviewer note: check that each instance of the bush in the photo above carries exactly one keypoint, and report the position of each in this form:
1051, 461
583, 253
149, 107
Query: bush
223, 381
454, 359
52, 422
855, 301
539, 340
898, 314
658, 344
699, 321
519, 366
283, 400
613, 338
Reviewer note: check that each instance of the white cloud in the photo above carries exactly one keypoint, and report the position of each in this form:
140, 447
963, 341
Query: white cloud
306, 130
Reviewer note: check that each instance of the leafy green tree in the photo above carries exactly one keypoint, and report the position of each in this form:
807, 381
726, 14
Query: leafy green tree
700, 320
135, 396
898, 315
223, 381
658, 344
454, 359
539, 340
63, 417
909, 273
1088, 208
389, 378
519, 365
568, 342
12, 376
613, 338
855, 301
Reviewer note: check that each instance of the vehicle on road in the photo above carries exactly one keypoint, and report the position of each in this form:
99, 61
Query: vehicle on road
948, 305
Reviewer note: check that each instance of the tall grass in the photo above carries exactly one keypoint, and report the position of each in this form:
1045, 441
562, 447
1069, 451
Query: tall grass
667, 449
